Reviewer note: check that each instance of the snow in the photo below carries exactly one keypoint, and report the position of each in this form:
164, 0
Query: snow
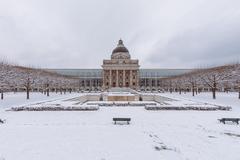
19, 98
223, 99
168, 135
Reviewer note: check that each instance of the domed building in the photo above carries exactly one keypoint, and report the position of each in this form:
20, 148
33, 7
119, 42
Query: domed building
120, 70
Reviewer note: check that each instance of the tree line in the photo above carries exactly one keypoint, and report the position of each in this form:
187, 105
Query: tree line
223, 78
18, 78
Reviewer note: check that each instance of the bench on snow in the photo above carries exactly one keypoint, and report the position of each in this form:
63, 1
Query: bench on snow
234, 120
122, 119
2, 121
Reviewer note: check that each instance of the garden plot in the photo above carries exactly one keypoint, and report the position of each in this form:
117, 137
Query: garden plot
185, 104
56, 105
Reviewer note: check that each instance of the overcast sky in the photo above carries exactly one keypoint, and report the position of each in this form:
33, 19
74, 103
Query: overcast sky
80, 34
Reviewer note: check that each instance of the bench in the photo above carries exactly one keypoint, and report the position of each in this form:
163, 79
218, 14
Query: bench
122, 119
234, 120
2, 121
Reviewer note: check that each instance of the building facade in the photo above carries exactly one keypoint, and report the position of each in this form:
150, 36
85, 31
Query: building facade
120, 71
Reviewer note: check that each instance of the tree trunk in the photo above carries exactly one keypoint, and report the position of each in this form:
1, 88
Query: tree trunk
28, 92
214, 93
180, 91
48, 92
214, 90
2, 95
193, 90
239, 93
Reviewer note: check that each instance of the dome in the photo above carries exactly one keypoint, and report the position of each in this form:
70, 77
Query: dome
120, 52
120, 47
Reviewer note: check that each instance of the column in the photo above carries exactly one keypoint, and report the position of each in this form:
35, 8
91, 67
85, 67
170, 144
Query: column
137, 79
104, 76
117, 78
103, 79
130, 79
110, 78
124, 79
89, 84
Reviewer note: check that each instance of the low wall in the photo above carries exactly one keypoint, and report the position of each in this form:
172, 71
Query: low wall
156, 98
85, 98
121, 98
148, 97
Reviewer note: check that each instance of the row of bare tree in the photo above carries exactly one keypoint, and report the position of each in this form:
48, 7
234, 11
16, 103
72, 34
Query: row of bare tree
13, 78
214, 79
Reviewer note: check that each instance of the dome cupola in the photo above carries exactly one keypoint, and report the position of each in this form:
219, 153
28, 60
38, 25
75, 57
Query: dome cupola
120, 52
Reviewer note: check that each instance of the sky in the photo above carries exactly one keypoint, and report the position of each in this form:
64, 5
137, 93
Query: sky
81, 33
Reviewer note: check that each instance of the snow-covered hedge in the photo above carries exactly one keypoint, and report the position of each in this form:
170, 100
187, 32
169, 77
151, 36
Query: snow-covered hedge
197, 108
55, 108
121, 104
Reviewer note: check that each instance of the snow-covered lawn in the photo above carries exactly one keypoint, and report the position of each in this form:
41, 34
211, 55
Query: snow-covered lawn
91, 135
19, 98
225, 99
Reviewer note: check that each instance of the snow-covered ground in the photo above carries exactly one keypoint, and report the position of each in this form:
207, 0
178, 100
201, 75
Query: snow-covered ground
224, 99
91, 135
19, 98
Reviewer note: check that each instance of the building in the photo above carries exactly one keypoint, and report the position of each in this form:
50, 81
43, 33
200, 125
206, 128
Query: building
120, 71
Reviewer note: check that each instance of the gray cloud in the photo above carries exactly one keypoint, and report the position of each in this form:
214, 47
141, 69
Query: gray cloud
79, 34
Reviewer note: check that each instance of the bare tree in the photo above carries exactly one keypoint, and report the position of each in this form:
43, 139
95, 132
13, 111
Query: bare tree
212, 77
193, 83
28, 83
238, 87
4, 72
47, 86
1, 90
170, 86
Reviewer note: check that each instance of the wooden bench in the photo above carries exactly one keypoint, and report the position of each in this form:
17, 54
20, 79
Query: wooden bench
2, 121
234, 120
122, 119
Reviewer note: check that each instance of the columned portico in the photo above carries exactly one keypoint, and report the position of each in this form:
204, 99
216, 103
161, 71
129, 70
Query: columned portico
120, 70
